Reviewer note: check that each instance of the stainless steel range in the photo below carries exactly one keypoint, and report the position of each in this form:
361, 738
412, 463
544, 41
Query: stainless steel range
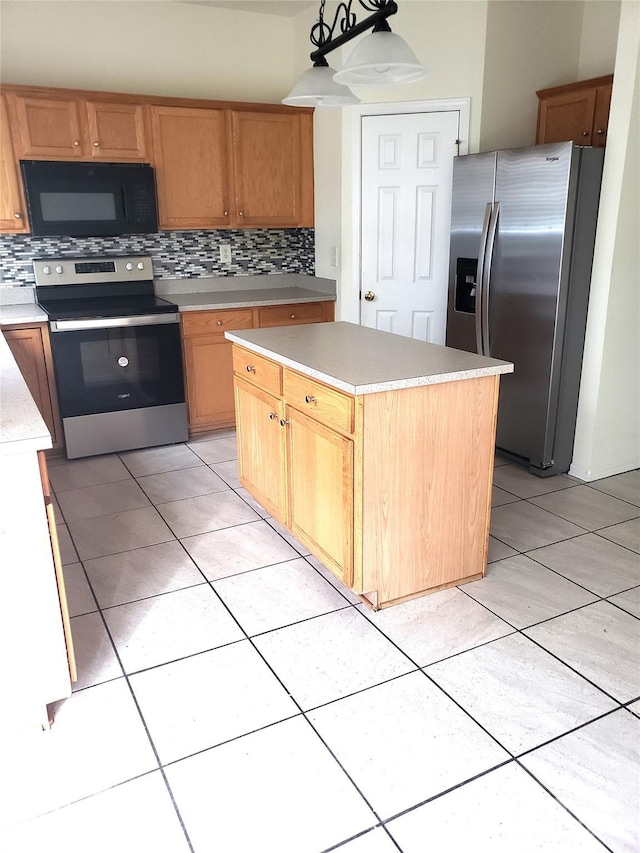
116, 353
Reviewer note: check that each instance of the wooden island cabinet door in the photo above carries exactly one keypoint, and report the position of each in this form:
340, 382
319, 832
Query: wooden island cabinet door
321, 498
262, 447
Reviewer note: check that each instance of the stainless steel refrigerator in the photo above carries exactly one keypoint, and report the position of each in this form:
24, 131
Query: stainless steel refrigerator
522, 236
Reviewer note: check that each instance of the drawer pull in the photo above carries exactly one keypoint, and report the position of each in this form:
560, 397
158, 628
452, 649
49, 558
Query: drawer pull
293, 316
250, 368
309, 399
273, 416
220, 322
283, 422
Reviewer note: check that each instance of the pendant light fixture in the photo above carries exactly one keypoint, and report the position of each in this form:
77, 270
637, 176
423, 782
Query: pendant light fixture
382, 58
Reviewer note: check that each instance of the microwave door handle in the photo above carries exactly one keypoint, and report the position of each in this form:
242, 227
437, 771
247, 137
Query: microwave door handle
124, 204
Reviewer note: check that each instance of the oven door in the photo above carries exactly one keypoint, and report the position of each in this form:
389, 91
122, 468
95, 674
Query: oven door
117, 364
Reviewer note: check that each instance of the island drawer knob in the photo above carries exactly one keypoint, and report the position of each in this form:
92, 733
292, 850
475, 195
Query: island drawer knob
293, 316
250, 368
309, 399
219, 322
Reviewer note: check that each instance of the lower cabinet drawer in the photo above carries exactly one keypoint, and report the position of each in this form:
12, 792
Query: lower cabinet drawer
284, 315
214, 322
326, 405
257, 370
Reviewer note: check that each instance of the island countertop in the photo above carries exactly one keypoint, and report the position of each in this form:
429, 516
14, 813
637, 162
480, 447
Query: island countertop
360, 360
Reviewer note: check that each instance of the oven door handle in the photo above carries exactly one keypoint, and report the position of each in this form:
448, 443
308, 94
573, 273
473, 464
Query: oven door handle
112, 322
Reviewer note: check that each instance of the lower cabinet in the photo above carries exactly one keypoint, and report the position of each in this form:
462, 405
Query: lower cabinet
31, 348
390, 490
207, 354
320, 466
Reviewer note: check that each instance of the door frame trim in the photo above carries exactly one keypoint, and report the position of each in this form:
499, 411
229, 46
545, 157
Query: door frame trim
460, 105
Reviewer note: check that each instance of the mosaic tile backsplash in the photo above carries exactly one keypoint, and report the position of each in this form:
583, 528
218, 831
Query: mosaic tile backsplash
175, 254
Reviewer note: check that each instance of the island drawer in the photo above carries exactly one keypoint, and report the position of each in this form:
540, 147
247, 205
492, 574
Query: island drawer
327, 405
257, 370
215, 322
286, 315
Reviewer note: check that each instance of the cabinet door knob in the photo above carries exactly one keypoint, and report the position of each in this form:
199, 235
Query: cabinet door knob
309, 399
293, 316
273, 416
241, 213
250, 368
585, 133
225, 212
220, 322
96, 145
17, 215
283, 422
600, 131
76, 142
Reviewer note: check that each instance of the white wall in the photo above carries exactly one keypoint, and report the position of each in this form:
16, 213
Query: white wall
529, 46
599, 38
156, 48
608, 429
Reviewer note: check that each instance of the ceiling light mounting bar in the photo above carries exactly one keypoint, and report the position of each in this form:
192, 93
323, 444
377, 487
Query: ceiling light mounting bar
322, 33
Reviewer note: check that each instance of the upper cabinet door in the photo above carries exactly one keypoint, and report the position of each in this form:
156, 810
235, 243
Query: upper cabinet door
13, 217
116, 131
48, 128
191, 162
568, 117
576, 112
268, 169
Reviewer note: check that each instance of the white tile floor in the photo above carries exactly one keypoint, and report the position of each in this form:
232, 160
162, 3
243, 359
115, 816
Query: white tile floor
234, 697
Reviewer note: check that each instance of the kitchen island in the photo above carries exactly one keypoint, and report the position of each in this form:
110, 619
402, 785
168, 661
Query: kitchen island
374, 450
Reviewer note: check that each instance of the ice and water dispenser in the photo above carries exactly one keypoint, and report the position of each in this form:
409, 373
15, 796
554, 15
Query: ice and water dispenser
466, 275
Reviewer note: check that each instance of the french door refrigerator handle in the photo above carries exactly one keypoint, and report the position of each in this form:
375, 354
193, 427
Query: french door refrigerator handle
480, 276
486, 276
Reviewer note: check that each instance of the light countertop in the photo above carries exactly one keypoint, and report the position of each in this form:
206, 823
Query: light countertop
22, 428
27, 312
213, 300
360, 360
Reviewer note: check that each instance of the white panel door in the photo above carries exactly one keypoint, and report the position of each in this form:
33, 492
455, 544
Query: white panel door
407, 171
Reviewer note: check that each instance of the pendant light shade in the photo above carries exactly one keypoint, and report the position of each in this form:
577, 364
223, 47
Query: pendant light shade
318, 88
382, 58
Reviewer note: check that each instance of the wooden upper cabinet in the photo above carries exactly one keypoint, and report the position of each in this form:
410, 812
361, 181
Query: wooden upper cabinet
13, 218
47, 128
192, 169
61, 129
269, 169
577, 112
117, 131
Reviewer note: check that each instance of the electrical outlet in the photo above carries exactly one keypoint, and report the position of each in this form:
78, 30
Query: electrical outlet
334, 256
225, 253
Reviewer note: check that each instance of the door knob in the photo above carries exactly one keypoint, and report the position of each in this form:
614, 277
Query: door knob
369, 296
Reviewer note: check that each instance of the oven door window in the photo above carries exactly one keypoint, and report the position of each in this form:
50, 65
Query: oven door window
110, 370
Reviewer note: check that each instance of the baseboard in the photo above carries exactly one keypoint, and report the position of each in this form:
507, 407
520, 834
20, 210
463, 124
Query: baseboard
588, 475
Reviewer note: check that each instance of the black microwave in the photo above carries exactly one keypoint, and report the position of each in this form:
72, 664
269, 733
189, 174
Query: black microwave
90, 199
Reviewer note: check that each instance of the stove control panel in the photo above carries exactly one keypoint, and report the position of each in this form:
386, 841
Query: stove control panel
50, 271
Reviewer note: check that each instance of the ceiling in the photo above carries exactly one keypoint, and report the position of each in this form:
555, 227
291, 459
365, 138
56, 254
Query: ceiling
284, 8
